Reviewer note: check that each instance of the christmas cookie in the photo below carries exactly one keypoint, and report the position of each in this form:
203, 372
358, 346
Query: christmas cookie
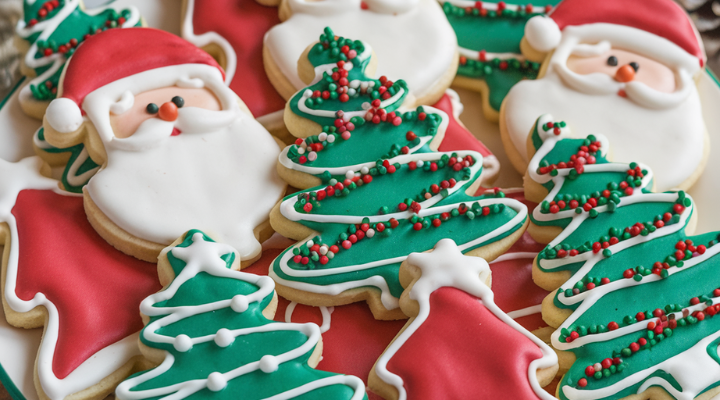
210, 331
412, 38
178, 149
489, 35
458, 343
376, 189
626, 72
634, 295
58, 273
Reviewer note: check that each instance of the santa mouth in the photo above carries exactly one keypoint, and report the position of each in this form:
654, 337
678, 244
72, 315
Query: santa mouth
620, 93
175, 132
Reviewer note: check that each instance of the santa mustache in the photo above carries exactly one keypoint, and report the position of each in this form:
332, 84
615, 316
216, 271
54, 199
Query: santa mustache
190, 120
602, 84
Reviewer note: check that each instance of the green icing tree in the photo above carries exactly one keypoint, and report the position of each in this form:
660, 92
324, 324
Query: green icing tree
53, 29
489, 34
211, 332
638, 309
382, 192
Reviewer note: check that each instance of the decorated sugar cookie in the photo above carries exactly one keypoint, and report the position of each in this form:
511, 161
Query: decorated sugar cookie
178, 148
635, 295
458, 344
58, 273
377, 191
489, 34
412, 38
624, 71
210, 331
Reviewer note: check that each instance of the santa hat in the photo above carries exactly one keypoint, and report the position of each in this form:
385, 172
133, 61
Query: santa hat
648, 26
113, 55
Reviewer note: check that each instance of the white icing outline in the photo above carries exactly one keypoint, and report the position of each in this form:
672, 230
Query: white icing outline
188, 33
124, 104
326, 313
17, 177
445, 266
205, 256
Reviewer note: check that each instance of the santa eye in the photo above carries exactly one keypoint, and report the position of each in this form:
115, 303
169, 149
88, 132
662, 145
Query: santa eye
152, 108
635, 66
179, 101
612, 61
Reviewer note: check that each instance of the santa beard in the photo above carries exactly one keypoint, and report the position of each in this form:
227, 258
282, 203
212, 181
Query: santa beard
218, 176
670, 141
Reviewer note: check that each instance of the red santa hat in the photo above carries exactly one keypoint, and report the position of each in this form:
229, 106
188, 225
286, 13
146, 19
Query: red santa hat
662, 19
113, 55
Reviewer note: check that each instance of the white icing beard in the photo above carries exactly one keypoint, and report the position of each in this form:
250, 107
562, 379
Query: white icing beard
415, 42
670, 140
218, 175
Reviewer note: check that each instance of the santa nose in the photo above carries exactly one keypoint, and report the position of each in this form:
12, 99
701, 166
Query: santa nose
168, 112
626, 73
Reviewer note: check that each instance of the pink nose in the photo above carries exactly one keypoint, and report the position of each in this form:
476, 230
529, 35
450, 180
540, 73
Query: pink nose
168, 112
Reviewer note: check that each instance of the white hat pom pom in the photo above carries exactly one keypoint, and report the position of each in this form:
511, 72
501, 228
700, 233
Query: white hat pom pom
64, 115
542, 33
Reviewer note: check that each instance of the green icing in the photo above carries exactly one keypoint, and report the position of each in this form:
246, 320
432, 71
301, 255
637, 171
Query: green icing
401, 198
650, 286
211, 285
76, 152
479, 30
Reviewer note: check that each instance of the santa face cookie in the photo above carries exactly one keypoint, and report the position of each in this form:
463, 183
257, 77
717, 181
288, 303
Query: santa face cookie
625, 72
415, 43
458, 343
179, 149
489, 35
211, 332
633, 296
377, 190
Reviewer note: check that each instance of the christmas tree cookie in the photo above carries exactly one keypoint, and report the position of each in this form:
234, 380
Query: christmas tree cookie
635, 296
210, 331
376, 189
489, 37
50, 31
486, 354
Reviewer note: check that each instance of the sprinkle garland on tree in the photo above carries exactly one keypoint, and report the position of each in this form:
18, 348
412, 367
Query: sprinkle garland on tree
643, 293
489, 34
216, 341
375, 208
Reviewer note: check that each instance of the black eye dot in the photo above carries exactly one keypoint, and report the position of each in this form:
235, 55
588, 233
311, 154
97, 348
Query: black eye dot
179, 102
612, 61
635, 66
152, 108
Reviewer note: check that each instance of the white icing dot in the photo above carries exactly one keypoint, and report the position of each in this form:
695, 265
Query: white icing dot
182, 343
224, 337
349, 174
333, 182
331, 138
420, 163
323, 250
269, 364
322, 136
216, 382
364, 170
355, 84
239, 303
370, 233
312, 156
300, 150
